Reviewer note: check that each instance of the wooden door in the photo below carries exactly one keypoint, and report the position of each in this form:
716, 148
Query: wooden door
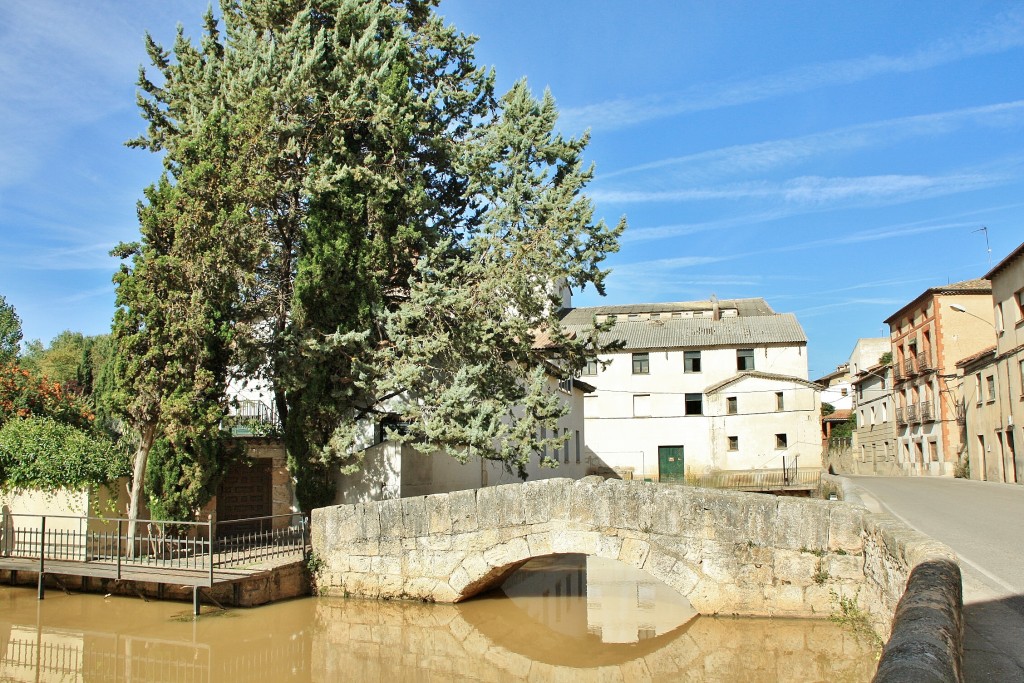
245, 492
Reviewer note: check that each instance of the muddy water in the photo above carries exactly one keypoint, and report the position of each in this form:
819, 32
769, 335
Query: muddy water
559, 619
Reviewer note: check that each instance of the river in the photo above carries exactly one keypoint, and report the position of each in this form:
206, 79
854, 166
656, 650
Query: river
567, 618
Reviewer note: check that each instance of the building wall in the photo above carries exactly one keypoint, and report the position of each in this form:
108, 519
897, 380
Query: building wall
926, 395
874, 443
990, 452
631, 415
866, 353
392, 470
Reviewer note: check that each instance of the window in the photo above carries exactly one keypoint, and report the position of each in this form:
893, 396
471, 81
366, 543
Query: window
641, 405
590, 369
732, 407
1019, 299
844, 391
565, 447
577, 447
744, 359
780, 402
641, 363
873, 416
734, 443
998, 311
885, 412
691, 361
1022, 378
990, 383
781, 441
694, 404
977, 381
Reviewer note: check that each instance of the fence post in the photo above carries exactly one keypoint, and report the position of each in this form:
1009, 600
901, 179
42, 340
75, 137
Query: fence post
119, 549
213, 533
41, 589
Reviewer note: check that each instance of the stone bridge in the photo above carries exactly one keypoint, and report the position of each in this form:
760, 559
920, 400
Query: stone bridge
727, 552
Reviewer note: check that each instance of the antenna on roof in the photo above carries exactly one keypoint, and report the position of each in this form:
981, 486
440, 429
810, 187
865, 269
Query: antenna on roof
988, 249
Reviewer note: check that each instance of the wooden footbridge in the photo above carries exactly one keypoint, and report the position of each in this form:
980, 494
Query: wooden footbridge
196, 554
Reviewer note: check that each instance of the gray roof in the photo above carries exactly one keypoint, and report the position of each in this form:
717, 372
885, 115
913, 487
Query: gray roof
668, 333
757, 374
744, 307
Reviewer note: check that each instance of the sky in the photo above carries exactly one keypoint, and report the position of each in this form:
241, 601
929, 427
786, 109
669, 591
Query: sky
836, 159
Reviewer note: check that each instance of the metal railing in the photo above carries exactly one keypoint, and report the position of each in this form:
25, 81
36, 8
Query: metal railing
912, 414
759, 480
926, 411
901, 416
908, 366
923, 361
171, 546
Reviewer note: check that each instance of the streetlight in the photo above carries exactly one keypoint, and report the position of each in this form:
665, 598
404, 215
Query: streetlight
960, 309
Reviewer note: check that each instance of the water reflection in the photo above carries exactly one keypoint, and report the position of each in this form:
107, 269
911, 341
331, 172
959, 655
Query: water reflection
612, 601
605, 628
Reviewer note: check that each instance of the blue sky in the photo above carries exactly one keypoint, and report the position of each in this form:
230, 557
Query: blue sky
834, 158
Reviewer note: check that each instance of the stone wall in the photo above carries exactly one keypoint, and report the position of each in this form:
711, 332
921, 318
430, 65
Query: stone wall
732, 553
727, 552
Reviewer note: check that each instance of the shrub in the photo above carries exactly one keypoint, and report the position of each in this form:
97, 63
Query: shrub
24, 394
42, 453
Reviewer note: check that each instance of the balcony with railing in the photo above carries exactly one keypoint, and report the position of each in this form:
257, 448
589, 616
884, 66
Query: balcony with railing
912, 416
901, 416
925, 410
924, 363
908, 366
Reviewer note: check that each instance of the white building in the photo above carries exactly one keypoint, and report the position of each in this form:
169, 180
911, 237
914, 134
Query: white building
700, 386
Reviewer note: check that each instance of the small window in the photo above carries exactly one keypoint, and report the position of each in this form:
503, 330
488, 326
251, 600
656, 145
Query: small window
885, 412
1019, 298
734, 443
641, 405
641, 363
731, 405
691, 361
781, 441
999, 317
565, 447
744, 359
590, 369
694, 404
577, 447
990, 382
844, 391
977, 381
780, 401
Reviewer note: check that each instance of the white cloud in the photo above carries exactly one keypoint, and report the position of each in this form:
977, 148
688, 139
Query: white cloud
1005, 33
816, 190
762, 156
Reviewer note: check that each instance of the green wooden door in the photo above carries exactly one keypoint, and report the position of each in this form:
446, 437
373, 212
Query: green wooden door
670, 463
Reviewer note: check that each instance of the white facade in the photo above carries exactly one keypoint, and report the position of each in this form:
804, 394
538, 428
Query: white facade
720, 386
392, 470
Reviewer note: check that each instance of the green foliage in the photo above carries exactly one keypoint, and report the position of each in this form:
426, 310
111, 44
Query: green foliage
962, 468
847, 613
845, 429
181, 479
351, 213
885, 358
10, 332
42, 453
827, 409
24, 394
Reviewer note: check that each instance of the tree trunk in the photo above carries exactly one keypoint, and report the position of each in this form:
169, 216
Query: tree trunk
138, 481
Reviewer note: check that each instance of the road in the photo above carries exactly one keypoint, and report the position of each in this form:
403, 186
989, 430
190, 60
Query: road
983, 522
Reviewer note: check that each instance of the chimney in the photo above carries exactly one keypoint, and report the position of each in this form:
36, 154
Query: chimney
716, 312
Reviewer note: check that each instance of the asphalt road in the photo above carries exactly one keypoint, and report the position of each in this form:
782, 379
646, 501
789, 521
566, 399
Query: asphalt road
983, 522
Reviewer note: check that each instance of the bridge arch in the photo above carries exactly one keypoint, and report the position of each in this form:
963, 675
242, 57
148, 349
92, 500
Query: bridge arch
725, 552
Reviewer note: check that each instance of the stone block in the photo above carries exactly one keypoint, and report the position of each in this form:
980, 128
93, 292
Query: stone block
795, 568
511, 505
582, 498
540, 544
845, 528
632, 505
414, 517
369, 519
844, 567
462, 505
570, 541
666, 511
634, 552
609, 546
439, 514
786, 600
802, 524
683, 578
